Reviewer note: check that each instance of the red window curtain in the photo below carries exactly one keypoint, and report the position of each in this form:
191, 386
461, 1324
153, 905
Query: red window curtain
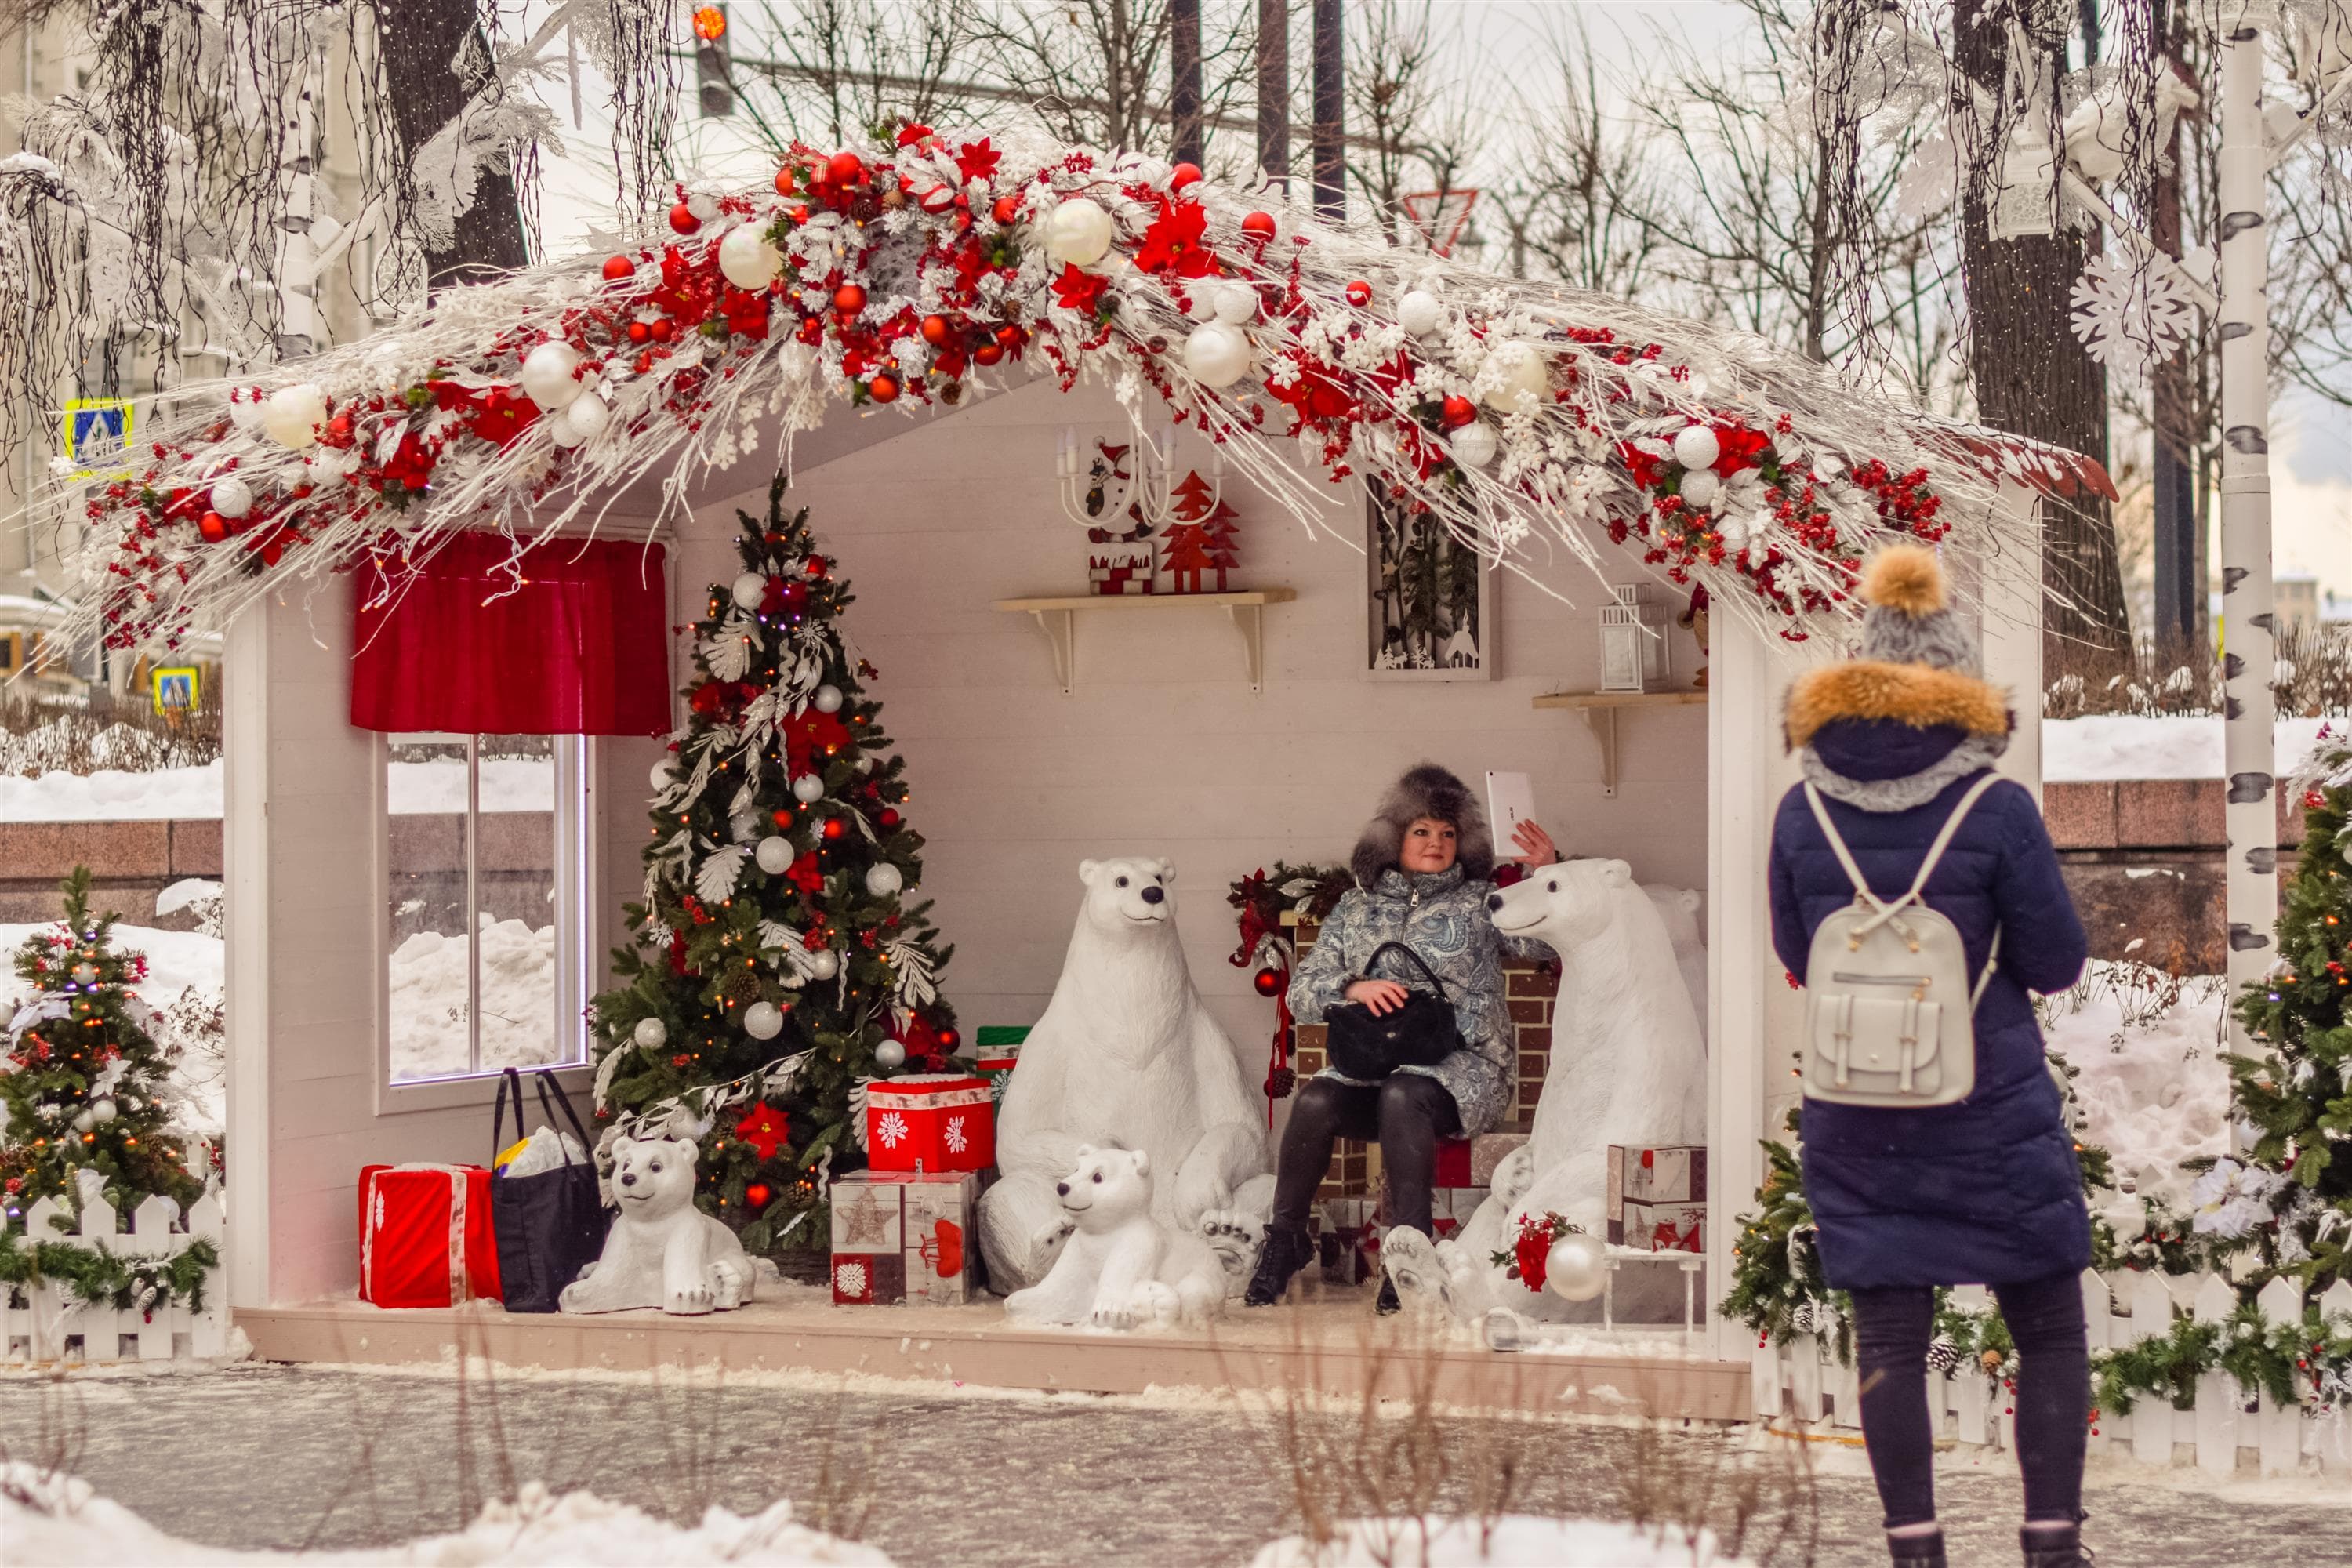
580, 648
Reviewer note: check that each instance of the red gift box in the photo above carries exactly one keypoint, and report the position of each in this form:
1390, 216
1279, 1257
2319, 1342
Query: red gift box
934, 1122
424, 1236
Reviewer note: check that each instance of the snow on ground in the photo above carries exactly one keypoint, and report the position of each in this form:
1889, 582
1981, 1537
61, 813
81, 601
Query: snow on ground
1513, 1540
2152, 1086
187, 794
58, 1521
2131, 746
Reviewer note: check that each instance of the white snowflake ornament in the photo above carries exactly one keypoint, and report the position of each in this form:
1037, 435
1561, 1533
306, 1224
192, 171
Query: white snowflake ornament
2130, 318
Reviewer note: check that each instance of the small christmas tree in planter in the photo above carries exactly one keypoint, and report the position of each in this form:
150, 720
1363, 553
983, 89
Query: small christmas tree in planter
775, 967
85, 1086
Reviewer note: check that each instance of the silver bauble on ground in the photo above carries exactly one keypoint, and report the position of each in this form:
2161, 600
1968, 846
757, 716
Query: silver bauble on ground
763, 1020
1576, 1268
650, 1034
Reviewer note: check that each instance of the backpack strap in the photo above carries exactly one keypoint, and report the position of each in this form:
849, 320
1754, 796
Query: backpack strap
1944, 839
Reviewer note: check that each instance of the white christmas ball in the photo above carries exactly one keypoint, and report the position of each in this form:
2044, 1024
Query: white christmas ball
650, 1034
548, 375
763, 1020
560, 430
663, 775
584, 420
889, 1056
103, 1110
748, 260
1574, 1269
1525, 382
883, 879
1472, 445
1079, 231
749, 591
774, 855
1700, 487
85, 974
827, 699
232, 497
1204, 306
1236, 305
291, 415
1696, 448
84, 1122
1419, 311
1217, 353
8, 1011
823, 964
808, 789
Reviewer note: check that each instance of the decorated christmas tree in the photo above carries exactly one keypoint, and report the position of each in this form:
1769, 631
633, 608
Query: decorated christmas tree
85, 1085
2291, 1191
775, 967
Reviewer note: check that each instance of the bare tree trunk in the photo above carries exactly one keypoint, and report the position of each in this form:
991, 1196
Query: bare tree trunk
1184, 94
425, 43
1330, 102
2180, 610
1274, 88
2033, 377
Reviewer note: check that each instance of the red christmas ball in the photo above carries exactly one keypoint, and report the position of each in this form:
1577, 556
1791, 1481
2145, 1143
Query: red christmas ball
787, 183
639, 331
1184, 174
617, 267
782, 816
1007, 209
988, 352
888, 818
1258, 227
937, 330
811, 329
682, 219
1268, 981
1008, 337
1359, 293
849, 299
1459, 411
757, 1194
845, 168
883, 389
814, 566
663, 330
834, 827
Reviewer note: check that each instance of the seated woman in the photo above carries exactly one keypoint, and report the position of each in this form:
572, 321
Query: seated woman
1421, 872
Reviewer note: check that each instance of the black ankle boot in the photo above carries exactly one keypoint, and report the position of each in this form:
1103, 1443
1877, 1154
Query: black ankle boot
1285, 1252
1924, 1551
2054, 1548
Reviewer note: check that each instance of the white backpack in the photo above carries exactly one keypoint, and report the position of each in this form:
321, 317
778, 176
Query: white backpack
1890, 1015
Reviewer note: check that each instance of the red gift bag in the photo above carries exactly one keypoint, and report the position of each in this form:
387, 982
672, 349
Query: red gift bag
941, 1121
425, 1238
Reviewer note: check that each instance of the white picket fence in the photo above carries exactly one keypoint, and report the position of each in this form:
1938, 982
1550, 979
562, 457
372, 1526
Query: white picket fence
2230, 1425
38, 1323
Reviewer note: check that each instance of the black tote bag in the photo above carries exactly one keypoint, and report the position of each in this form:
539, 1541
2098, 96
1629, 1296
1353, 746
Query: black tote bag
549, 1226
1419, 1032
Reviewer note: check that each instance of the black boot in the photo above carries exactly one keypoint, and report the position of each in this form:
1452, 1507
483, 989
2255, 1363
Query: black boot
1285, 1252
1925, 1550
2058, 1547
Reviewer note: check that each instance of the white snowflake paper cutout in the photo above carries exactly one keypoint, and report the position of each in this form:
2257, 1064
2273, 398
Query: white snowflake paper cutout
891, 1129
849, 1278
2130, 318
956, 1140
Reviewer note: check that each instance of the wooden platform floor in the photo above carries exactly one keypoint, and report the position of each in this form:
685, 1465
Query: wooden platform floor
1332, 1343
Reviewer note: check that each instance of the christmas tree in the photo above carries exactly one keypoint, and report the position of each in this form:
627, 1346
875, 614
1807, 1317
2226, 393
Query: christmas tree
85, 1085
2291, 1192
1186, 552
774, 966
1225, 547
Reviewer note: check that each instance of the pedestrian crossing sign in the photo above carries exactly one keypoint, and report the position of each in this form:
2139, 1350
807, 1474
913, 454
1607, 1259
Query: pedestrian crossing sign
97, 430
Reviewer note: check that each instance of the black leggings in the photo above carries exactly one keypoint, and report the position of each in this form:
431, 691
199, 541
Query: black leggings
1407, 1112
1891, 1330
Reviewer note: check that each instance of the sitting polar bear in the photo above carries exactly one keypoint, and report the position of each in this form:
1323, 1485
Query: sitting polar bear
1119, 1267
662, 1251
1125, 1054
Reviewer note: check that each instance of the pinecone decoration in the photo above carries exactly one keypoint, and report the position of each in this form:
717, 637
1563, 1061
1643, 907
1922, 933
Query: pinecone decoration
1807, 1317
1280, 1082
1943, 1355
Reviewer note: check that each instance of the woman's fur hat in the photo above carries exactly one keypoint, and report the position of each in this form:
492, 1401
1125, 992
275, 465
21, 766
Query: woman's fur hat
1428, 791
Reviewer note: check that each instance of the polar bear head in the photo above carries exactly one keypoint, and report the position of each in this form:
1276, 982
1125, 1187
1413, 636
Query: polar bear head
1109, 1188
1568, 905
1129, 896
652, 1177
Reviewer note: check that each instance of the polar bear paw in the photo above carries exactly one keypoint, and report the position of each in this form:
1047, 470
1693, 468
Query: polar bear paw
1236, 1237
1115, 1315
728, 1285
1046, 1237
691, 1301
1423, 1282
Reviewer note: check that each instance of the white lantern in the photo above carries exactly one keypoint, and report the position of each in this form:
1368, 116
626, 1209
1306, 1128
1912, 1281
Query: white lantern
291, 415
1699, 488
763, 1020
1525, 383
1419, 311
882, 879
1576, 1268
750, 590
550, 375
808, 789
748, 260
1696, 448
1236, 305
663, 775
890, 1055
823, 964
1217, 353
232, 497
1078, 232
1633, 641
1472, 445
774, 855
827, 699
650, 1034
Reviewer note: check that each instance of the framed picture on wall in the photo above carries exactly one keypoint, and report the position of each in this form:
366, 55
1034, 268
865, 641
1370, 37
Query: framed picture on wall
1428, 599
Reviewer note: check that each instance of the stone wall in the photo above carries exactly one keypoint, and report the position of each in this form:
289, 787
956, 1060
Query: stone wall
2144, 860
129, 863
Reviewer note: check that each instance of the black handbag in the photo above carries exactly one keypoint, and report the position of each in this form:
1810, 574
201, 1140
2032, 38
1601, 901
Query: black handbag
1419, 1032
549, 1226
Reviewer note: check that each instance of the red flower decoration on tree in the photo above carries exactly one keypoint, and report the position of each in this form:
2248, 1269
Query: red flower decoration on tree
811, 737
1172, 243
978, 160
503, 415
1080, 291
807, 875
763, 1130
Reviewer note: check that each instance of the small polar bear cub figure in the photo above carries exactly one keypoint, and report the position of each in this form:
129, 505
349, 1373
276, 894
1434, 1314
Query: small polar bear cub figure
1118, 1266
662, 1251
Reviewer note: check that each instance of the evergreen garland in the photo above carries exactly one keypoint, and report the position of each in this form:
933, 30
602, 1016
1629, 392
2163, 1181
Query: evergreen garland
127, 1284
1777, 1288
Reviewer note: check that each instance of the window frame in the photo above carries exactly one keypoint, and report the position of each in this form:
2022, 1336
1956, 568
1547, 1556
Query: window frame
575, 836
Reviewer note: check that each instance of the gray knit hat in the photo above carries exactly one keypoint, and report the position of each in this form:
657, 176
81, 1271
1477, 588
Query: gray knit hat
1909, 621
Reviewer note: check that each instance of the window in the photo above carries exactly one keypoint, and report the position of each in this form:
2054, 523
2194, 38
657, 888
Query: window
485, 950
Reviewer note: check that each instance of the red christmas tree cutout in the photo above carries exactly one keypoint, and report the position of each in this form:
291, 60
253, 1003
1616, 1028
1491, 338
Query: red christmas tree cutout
1200, 544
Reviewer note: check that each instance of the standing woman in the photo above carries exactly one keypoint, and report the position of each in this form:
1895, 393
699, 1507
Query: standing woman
1985, 1190
1421, 872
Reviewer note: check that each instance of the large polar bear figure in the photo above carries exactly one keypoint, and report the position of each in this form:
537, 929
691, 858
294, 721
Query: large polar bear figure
1125, 1054
1120, 1269
662, 1251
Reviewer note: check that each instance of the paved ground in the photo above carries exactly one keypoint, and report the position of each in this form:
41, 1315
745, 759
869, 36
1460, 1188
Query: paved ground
283, 1456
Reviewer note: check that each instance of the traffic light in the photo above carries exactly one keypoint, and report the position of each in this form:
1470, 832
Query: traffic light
712, 70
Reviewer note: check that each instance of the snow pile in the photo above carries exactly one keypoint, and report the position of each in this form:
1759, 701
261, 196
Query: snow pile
2134, 746
58, 1521
192, 794
1513, 1541
428, 1000
2152, 1087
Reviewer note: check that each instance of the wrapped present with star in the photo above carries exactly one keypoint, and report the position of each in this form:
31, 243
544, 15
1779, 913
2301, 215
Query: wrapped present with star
900, 1236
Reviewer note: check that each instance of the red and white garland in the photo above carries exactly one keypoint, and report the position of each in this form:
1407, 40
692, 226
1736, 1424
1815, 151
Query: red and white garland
906, 273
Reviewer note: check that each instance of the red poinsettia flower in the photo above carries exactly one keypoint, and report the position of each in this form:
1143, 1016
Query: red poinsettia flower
976, 159
807, 875
763, 1129
1172, 243
503, 415
912, 133
1080, 291
811, 738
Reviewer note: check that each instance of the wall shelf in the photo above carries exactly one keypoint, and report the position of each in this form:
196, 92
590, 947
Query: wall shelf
1601, 710
1058, 618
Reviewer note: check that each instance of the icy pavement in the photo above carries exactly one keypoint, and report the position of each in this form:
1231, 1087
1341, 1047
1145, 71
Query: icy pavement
286, 1457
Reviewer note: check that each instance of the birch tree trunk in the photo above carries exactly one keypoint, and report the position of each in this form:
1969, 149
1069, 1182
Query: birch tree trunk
435, 58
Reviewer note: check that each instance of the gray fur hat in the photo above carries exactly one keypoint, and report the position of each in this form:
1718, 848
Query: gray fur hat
1428, 791
1909, 620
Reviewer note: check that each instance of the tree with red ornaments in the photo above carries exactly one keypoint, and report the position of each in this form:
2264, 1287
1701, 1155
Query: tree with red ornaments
776, 965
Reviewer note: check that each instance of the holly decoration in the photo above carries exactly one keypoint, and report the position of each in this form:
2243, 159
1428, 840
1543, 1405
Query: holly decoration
1529, 1258
754, 894
1312, 891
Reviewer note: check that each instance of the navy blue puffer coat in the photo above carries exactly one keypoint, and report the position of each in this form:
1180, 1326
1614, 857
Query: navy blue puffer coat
1986, 1191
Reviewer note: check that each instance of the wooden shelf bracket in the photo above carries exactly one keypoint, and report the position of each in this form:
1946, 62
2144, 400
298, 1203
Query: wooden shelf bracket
1600, 709
1244, 611
1061, 634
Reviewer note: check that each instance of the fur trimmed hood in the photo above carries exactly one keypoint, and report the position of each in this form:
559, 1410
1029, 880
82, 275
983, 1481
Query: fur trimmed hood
1431, 791
1919, 695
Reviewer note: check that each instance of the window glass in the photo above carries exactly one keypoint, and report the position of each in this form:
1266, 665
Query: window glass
431, 1001
516, 916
